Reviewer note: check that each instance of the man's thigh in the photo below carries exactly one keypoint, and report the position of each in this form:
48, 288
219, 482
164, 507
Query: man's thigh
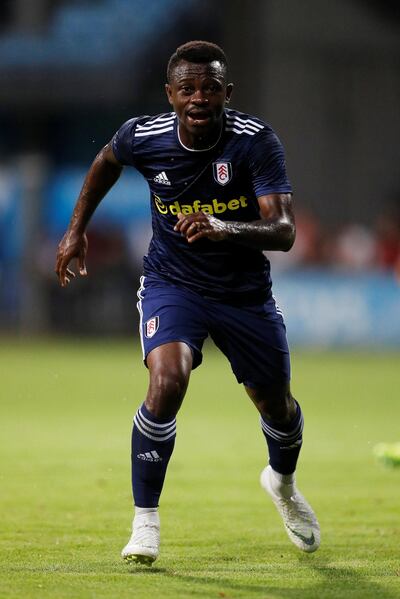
169, 313
253, 338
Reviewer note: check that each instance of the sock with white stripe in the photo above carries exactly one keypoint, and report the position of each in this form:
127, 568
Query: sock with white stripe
153, 442
284, 442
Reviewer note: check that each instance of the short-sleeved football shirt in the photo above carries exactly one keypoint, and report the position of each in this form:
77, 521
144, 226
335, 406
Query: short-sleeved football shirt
245, 163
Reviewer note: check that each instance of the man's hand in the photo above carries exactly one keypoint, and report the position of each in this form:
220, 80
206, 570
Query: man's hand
275, 230
198, 225
71, 246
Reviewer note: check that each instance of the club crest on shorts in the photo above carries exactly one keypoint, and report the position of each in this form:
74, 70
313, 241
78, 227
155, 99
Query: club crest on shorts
151, 326
222, 172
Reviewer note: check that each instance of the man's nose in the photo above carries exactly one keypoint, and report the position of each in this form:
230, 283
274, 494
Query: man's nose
199, 98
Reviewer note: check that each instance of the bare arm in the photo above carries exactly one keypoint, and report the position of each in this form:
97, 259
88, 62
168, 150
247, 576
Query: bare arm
103, 173
276, 229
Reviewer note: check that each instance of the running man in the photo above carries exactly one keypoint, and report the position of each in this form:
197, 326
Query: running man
220, 196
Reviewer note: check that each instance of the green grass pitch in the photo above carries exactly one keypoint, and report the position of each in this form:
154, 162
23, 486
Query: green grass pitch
65, 507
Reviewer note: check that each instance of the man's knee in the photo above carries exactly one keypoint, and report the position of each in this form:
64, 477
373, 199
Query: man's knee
166, 392
167, 384
170, 368
274, 402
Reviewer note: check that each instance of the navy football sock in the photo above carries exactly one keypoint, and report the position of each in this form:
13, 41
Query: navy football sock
284, 442
153, 441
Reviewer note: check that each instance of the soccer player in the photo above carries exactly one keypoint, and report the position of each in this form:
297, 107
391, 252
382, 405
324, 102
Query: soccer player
219, 197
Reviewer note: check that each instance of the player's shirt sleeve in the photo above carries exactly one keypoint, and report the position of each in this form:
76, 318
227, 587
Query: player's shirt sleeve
122, 143
267, 164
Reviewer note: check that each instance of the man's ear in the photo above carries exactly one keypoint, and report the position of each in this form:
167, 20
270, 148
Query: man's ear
168, 91
229, 89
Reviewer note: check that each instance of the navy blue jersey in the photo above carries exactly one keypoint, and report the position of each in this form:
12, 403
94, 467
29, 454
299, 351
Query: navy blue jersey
247, 162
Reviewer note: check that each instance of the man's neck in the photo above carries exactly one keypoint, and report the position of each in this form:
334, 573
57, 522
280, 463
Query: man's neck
200, 142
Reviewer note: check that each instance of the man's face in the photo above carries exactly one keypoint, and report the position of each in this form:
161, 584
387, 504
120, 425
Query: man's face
198, 93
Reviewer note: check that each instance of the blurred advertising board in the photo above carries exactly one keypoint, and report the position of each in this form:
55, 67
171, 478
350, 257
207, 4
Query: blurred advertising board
325, 308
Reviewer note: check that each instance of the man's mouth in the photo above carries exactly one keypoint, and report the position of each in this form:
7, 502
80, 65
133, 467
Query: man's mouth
198, 117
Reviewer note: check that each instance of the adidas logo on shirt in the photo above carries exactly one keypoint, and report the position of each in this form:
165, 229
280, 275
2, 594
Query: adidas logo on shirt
149, 456
162, 178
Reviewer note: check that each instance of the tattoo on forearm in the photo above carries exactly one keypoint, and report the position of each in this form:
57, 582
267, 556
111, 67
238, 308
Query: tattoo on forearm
264, 235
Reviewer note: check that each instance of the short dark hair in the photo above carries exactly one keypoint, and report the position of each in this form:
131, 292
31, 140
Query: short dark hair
198, 52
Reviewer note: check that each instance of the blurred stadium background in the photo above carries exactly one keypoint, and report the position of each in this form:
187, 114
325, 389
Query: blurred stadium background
325, 74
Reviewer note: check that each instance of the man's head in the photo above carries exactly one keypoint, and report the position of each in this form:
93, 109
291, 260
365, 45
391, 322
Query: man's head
197, 52
197, 88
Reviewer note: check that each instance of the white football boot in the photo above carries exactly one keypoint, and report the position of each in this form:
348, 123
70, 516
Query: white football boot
143, 546
298, 517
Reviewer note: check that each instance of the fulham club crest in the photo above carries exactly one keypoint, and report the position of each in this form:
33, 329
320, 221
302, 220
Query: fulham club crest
222, 172
151, 327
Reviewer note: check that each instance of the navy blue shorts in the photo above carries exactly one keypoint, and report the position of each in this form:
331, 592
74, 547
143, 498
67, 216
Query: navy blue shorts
253, 338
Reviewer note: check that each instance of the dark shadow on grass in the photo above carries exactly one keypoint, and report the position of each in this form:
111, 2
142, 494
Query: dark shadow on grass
226, 587
146, 570
84, 569
334, 581
351, 579
337, 582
